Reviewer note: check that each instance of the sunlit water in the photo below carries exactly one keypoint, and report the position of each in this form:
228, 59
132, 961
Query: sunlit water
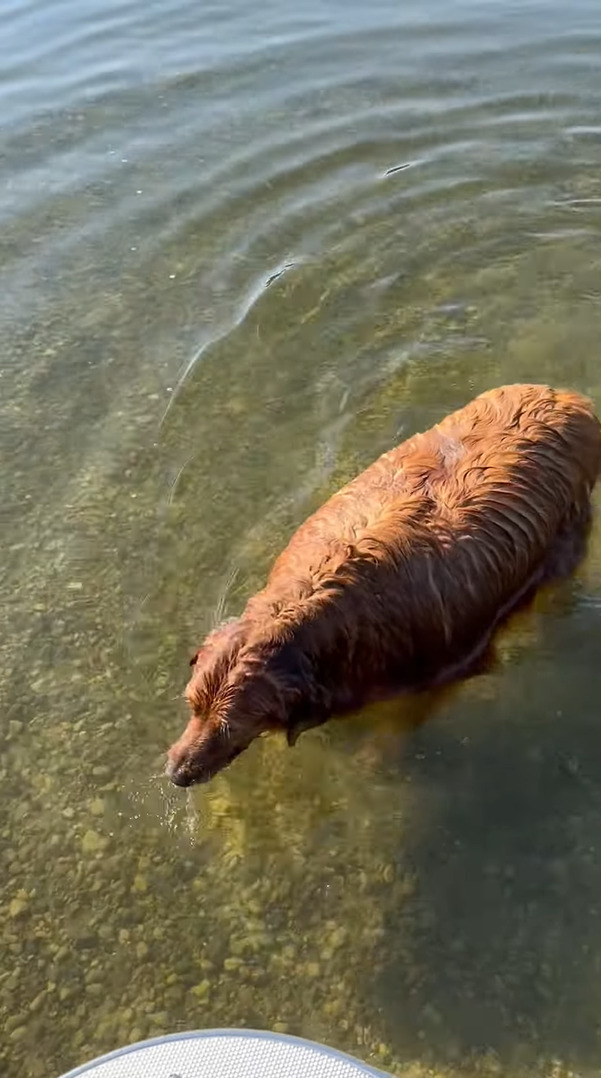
244, 249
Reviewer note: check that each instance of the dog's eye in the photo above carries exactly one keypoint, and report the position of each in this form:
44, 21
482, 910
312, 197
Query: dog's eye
194, 660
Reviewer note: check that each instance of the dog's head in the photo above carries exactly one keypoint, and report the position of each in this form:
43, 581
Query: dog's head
236, 693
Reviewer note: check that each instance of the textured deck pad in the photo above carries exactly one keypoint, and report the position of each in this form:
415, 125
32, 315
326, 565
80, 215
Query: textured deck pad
225, 1054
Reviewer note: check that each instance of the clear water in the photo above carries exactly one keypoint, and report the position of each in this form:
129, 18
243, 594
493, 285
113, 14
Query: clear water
243, 250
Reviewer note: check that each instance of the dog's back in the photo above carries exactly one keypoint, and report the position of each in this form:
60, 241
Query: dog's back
415, 560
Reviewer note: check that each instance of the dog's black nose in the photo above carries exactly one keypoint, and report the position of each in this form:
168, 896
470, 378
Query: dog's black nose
177, 774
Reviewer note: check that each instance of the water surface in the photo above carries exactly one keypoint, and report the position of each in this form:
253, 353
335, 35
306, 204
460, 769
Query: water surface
244, 249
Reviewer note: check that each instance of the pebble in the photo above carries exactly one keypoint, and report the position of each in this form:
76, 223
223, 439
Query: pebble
13, 1021
101, 772
430, 1014
18, 906
339, 937
92, 842
201, 991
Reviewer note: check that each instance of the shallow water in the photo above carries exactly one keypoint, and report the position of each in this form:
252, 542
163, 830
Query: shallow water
244, 250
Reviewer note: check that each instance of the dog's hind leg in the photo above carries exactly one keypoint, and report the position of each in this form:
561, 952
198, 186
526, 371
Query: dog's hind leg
569, 546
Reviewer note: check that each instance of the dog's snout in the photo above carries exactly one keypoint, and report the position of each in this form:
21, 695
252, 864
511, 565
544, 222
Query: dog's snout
180, 757
177, 773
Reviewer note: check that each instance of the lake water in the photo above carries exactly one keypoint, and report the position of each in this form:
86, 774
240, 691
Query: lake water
245, 248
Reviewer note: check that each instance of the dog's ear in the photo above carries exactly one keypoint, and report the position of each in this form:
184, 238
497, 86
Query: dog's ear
292, 735
298, 726
294, 670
